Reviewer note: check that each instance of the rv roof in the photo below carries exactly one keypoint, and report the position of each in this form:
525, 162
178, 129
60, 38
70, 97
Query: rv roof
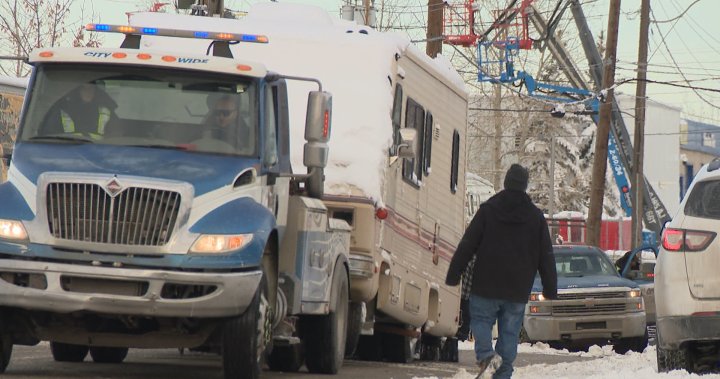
149, 58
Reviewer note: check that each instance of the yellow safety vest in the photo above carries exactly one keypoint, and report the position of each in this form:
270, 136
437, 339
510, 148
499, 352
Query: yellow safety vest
103, 118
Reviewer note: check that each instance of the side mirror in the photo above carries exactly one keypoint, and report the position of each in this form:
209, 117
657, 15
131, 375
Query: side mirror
317, 129
408, 143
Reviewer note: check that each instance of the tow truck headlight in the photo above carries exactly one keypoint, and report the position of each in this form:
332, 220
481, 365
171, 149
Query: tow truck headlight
220, 243
12, 230
634, 293
537, 297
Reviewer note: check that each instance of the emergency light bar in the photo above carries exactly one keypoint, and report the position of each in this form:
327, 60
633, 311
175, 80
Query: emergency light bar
139, 30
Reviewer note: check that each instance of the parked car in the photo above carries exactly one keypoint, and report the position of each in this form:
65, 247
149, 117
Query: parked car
595, 305
687, 284
644, 276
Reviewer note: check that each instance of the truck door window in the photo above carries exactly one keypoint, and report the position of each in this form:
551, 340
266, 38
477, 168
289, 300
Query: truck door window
396, 119
415, 119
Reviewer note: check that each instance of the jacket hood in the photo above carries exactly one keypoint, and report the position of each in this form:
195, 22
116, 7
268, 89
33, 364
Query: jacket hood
512, 206
205, 172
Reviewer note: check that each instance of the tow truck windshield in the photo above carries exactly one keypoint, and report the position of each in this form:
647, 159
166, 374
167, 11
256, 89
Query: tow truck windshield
142, 107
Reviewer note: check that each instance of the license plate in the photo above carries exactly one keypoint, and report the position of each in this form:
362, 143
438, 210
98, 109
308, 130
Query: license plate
590, 325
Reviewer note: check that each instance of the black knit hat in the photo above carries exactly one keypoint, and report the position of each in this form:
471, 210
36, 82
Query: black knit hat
516, 178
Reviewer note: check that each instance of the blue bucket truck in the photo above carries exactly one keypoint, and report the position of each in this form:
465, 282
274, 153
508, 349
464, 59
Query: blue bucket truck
151, 203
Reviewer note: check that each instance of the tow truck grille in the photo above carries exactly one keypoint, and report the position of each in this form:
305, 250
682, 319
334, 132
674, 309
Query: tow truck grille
135, 216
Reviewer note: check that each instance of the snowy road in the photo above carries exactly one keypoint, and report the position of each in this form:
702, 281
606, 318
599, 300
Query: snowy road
534, 362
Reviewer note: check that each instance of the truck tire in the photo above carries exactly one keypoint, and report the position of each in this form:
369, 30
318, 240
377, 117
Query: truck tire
66, 352
668, 360
286, 358
355, 320
524, 338
369, 348
397, 348
244, 338
637, 344
102, 354
324, 337
6, 348
449, 350
428, 348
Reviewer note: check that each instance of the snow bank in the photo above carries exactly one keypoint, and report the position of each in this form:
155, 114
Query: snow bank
353, 62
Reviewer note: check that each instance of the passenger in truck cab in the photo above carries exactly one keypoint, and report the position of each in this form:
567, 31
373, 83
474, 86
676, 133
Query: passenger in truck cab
87, 110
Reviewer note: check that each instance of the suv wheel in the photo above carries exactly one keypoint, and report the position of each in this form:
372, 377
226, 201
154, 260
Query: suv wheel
668, 360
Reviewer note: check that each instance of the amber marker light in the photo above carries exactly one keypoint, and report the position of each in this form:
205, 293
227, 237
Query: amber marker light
46, 54
169, 58
119, 55
244, 67
144, 56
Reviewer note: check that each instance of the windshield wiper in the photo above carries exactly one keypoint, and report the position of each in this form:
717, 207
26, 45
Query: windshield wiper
66, 138
159, 146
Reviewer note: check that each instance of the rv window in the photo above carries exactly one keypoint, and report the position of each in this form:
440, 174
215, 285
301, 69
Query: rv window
455, 162
396, 116
415, 119
427, 145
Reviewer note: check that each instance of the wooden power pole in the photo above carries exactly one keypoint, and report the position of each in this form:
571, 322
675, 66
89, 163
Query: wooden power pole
638, 177
433, 47
597, 183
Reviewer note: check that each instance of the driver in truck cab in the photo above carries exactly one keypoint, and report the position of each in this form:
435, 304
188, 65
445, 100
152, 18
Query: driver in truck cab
87, 110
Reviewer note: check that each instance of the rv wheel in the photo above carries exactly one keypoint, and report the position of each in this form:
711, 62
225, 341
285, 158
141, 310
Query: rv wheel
66, 352
6, 347
101, 354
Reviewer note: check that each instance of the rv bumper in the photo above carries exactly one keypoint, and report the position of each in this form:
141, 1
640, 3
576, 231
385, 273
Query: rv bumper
65, 288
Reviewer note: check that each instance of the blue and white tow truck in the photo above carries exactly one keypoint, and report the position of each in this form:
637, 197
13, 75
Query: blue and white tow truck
147, 225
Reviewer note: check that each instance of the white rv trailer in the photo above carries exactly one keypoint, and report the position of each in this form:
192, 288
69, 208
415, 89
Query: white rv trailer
407, 215
12, 92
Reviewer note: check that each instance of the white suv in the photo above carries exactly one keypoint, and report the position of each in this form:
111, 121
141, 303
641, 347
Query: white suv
687, 280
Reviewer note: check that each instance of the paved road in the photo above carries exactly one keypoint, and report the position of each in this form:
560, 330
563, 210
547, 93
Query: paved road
36, 362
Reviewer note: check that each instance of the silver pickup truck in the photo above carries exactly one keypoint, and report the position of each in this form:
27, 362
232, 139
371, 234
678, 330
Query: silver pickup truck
595, 305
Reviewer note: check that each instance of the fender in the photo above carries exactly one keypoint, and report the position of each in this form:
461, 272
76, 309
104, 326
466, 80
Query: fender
14, 206
240, 216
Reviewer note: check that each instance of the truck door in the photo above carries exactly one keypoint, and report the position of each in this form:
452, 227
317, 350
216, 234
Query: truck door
276, 151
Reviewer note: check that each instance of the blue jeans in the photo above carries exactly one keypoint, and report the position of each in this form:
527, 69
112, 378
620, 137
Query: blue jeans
509, 316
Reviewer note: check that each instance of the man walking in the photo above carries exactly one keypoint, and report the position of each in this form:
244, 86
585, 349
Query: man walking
509, 238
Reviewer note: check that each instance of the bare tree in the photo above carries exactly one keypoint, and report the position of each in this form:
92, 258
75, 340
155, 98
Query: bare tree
29, 24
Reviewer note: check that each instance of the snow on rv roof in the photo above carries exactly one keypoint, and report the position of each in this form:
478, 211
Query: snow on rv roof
148, 58
14, 81
353, 62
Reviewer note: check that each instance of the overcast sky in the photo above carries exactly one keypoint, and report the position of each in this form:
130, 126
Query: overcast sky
693, 40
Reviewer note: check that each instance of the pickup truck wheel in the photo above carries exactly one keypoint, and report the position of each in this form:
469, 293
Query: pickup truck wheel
66, 352
286, 358
524, 338
102, 354
6, 347
633, 343
324, 336
244, 338
668, 360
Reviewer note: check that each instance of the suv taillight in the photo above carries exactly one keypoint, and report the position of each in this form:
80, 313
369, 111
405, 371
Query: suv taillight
686, 240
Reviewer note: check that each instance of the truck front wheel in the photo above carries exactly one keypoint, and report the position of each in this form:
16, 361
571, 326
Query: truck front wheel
244, 338
6, 347
324, 336
66, 352
102, 354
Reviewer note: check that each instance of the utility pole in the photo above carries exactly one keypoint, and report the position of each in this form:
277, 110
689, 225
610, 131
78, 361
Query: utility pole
597, 184
497, 158
551, 200
433, 46
638, 178
366, 5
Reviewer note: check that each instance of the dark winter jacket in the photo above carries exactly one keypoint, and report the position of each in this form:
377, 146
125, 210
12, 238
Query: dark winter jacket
510, 238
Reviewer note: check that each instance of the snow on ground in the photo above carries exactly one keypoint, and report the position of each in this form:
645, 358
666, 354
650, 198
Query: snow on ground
609, 365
